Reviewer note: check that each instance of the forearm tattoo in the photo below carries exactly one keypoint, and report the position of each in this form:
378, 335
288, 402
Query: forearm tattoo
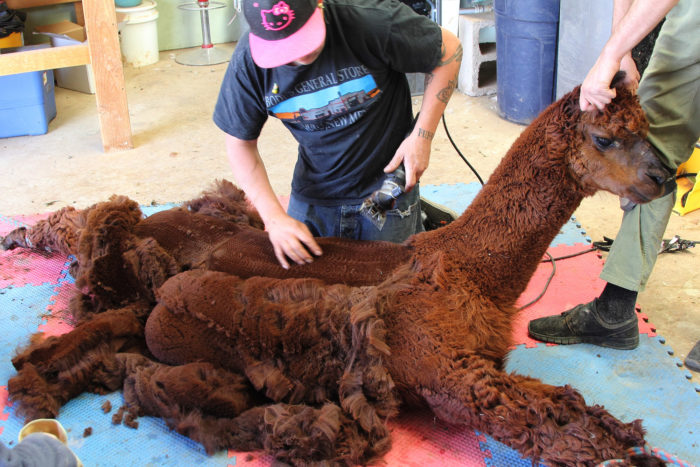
446, 92
425, 134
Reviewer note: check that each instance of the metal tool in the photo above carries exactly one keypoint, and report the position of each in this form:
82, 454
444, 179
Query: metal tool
378, 203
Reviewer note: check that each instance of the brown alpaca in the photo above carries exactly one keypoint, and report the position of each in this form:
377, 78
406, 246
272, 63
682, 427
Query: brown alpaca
309, 369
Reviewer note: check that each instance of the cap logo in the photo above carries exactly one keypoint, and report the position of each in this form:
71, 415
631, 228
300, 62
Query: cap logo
278, 17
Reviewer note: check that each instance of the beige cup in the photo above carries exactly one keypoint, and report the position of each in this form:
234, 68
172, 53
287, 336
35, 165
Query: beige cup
44, 425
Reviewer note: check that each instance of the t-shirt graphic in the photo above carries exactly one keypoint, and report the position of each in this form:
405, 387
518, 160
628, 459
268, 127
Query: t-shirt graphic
337, 105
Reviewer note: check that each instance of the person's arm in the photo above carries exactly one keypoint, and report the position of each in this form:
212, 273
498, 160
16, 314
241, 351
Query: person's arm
414, 151
632, 21
289, 237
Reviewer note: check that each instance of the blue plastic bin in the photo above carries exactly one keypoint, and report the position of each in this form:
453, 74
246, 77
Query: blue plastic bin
27, 103
526, 41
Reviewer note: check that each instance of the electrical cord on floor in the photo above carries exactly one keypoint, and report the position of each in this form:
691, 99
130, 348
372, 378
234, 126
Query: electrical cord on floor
444, 124
553, 260
546, 285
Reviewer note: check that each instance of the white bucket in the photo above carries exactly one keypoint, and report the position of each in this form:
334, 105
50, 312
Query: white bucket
138, 33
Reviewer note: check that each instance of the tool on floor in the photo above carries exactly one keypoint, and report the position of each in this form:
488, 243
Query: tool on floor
378, 203
670, 245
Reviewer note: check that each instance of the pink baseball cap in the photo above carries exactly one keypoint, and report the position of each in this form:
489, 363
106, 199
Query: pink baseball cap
282, 31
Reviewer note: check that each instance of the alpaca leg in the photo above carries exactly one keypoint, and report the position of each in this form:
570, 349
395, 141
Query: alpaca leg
293, 434
213, 406
541, 421
59, 232
15, 239
53, 371
59, 352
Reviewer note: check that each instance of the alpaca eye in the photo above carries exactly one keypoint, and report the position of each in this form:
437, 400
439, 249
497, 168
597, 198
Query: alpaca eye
602, 143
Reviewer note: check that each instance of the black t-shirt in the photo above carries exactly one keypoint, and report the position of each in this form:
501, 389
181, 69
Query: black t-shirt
350, 109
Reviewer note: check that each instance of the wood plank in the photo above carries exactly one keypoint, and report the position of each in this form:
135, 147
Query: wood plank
79, 16
22, 4
106, 59
44, 59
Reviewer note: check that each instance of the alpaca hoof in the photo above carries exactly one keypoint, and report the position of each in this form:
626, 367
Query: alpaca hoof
16, 238
583, 324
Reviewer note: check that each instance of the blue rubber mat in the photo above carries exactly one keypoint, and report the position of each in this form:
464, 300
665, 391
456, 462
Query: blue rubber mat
152, 444
646, 383
22, 310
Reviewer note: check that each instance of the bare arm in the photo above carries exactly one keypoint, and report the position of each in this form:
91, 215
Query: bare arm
414, 151
632, 20
288, 236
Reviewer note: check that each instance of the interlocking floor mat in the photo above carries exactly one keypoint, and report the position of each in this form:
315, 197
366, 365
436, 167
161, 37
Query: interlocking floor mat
646, 383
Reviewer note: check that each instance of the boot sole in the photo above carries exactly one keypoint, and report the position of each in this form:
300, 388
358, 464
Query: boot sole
619, 343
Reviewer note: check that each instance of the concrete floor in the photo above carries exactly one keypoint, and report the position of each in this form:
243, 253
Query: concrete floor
179, 152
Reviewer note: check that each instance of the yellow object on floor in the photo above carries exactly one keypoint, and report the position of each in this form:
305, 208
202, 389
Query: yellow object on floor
688, 196
13, 40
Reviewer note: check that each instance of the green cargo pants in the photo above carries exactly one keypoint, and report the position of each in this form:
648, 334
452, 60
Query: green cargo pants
669, 94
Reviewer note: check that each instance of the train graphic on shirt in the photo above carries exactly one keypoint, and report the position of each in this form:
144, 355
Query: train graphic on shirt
329, 103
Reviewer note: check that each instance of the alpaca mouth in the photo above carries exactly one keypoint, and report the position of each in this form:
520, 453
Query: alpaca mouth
641, 198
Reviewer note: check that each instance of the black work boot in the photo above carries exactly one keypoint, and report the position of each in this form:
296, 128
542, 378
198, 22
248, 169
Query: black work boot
435, 215
584, 324
692, 361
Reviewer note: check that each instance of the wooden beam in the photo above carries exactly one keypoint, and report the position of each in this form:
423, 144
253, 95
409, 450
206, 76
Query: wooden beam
44, 59
106, 59
79, 15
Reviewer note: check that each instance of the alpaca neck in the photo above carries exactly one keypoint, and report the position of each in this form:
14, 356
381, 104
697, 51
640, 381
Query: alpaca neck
500, 239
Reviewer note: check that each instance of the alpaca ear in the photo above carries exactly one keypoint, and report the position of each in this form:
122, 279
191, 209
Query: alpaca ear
570, 106
618, 79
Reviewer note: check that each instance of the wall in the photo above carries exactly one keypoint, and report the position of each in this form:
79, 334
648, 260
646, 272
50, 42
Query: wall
177, 28
584, 27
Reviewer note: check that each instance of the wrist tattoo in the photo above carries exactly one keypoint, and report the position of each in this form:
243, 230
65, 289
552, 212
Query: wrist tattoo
425, 134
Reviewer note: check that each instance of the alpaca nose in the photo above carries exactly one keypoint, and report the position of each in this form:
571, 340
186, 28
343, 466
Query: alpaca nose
663, 177
657, 171
658, 176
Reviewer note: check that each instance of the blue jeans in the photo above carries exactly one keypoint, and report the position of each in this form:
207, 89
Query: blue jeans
346, 220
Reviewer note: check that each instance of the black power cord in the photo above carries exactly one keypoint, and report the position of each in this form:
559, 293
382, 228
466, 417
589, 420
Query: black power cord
444, 124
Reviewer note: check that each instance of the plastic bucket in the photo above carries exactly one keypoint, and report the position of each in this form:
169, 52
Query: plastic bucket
138, 34
526, 44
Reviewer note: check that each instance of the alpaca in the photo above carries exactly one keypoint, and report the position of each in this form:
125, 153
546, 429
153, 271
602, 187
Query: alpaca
309, 368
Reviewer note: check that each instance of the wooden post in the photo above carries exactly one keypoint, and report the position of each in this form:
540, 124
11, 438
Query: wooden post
110, 91
102, 52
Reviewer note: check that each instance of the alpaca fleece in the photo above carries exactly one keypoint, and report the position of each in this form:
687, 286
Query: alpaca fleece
189, 313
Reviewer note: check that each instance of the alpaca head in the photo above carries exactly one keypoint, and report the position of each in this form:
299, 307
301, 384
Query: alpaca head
608, 150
